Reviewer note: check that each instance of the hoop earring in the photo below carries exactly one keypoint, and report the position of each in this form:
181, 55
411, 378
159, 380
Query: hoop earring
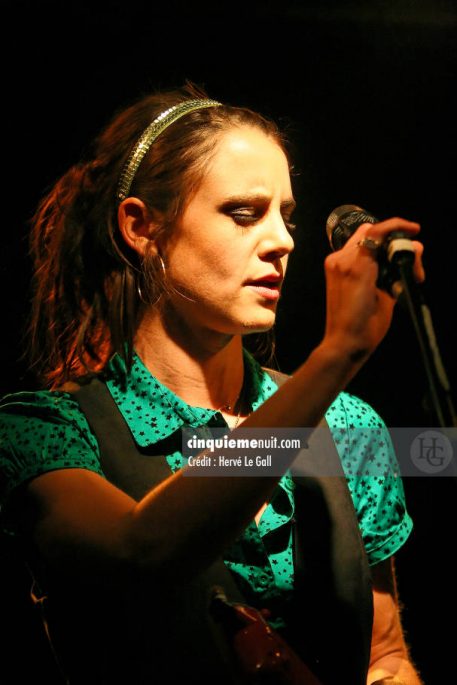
140, 293
138, 283
174, 289
143, 299
162, 264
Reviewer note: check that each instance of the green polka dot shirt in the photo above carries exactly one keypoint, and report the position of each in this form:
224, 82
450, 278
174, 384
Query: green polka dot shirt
46, 430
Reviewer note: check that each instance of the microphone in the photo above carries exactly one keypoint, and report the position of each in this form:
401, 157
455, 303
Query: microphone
344, 221
397, 252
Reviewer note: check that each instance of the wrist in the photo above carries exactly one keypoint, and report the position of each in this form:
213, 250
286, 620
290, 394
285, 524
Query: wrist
341, 357
346, 348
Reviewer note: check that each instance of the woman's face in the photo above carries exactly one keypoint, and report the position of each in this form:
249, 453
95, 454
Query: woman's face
228, 253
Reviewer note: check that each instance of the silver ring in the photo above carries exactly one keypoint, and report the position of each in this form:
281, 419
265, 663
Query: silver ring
369, 243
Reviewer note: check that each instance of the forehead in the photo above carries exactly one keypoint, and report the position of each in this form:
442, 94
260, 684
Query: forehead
245, 158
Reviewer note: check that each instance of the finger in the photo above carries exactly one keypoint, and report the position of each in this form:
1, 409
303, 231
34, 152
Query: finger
418, 268
382, 229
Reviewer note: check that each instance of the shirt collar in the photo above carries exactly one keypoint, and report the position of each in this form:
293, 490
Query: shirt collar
153, 412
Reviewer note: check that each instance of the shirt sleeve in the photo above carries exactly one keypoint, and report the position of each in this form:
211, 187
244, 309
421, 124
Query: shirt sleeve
40, 432
373, 474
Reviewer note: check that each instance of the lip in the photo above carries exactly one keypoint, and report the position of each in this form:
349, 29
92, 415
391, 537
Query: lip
268, 287
267, 278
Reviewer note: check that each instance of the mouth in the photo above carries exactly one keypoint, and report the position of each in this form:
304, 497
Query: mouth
268, 288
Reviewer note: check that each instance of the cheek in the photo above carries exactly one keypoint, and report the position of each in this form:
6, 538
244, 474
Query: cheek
205, 261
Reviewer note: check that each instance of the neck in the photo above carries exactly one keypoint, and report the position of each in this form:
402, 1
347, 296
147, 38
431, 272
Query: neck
202, 367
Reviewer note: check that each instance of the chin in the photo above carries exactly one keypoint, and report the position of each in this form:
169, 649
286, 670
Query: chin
260, 325
244, 322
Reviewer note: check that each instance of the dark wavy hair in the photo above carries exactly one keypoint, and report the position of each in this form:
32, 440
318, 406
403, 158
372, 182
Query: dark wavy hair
85, 301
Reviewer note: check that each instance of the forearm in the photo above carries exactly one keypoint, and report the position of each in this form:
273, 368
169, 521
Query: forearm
389, 660
393, 670
205, 514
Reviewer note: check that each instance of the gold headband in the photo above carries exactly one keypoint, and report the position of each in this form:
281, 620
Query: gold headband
149, 135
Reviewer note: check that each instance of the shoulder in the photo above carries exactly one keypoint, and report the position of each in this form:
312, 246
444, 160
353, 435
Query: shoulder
38, 407
353, 412
41, 431
361, 437
277, 376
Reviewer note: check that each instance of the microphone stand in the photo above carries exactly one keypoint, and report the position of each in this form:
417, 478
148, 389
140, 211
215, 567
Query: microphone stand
410, 296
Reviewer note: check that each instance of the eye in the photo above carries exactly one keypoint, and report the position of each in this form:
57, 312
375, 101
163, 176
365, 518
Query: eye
291, 227
245, 216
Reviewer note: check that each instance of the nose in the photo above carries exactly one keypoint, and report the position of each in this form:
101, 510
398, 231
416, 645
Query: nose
277, 241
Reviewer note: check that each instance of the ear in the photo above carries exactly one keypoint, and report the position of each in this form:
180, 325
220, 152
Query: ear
137, 225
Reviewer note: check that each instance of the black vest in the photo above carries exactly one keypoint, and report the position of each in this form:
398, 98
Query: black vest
154, 633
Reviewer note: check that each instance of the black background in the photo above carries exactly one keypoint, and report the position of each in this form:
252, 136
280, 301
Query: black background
367, 91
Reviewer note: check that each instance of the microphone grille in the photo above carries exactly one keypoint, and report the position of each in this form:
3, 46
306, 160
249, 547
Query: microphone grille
335, 216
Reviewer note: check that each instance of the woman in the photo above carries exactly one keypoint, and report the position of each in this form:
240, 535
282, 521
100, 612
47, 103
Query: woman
154, 257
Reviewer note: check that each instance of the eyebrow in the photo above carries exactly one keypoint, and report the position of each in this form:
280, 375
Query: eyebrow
257, 197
